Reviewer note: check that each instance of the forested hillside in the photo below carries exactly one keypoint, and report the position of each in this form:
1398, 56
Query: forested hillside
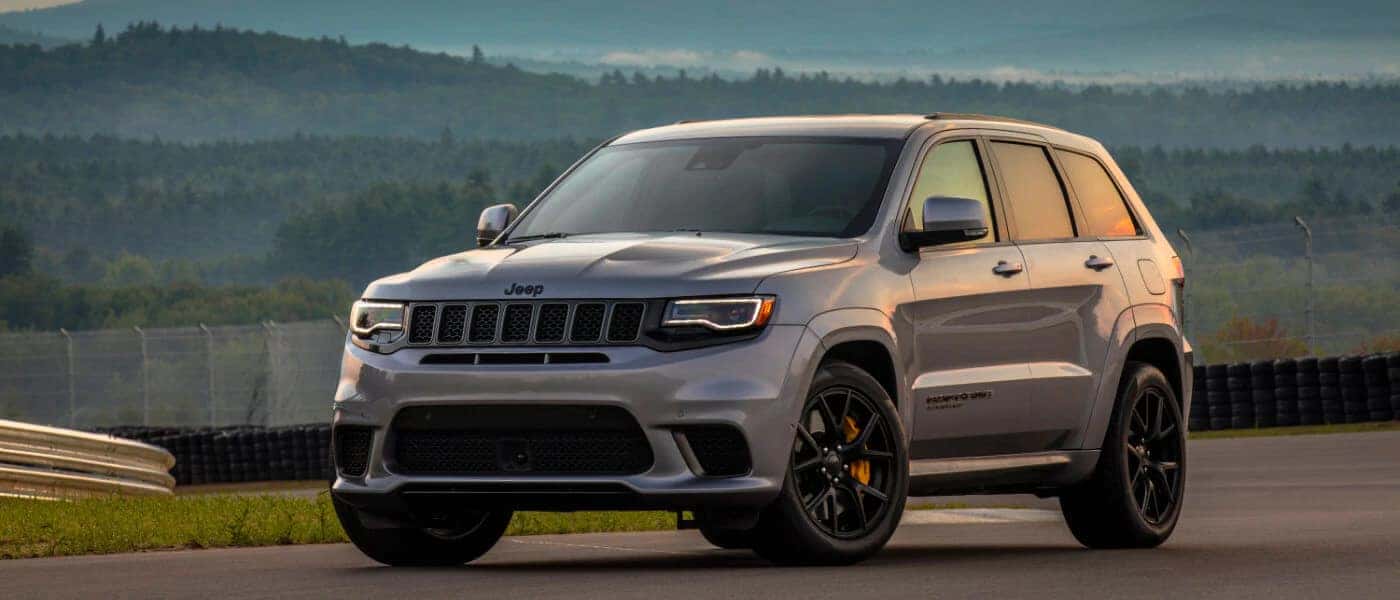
213, 84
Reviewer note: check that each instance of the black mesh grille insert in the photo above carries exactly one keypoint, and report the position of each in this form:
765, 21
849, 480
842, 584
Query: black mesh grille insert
421, 328
484, 317
626, 321
517, 326
352, 449
551, 323
720, 449
465, 440
453, 324
588, 323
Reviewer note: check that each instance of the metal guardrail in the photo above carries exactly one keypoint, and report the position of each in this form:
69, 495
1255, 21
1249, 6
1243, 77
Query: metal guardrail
48, 462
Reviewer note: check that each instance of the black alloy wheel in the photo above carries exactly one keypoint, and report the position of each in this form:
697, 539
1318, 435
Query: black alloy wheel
1153, 456
843, 462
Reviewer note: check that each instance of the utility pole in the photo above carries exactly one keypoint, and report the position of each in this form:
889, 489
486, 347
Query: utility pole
209, 372
72, 387
145, 380
1308, 297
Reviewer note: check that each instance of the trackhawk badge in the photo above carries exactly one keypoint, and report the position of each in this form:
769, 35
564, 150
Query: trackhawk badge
947, 401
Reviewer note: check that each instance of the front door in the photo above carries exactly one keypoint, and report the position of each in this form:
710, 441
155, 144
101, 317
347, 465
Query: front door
972, 381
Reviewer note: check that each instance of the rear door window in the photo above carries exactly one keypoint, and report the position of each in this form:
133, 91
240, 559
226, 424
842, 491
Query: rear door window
1035, 198
1105, 211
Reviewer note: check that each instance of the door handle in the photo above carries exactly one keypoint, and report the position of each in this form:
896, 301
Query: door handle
1098, 263
1006, 269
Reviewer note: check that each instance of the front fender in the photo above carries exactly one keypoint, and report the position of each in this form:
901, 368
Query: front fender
836, 327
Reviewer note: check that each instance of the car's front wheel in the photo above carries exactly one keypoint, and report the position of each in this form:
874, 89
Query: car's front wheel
465, 540
1134, 497
847, 476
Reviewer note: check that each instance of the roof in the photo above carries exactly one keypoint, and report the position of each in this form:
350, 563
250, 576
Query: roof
896, 126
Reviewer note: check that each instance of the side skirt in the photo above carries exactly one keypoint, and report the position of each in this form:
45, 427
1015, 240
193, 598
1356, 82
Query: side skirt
1038, 473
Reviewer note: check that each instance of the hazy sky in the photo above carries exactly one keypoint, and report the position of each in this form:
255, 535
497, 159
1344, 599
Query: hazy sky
8, 5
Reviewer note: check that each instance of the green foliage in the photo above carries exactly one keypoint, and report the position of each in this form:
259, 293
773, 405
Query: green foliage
16, 251
41, 302
221, 83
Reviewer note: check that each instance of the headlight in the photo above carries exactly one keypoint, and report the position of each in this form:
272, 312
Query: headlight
720, 314
381, 322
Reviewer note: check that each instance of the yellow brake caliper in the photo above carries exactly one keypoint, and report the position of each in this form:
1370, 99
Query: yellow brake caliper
859, 469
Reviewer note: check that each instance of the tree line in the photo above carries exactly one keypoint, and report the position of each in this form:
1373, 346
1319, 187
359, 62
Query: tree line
223, 83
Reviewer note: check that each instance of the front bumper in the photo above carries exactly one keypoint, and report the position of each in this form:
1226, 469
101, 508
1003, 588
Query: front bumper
754, 386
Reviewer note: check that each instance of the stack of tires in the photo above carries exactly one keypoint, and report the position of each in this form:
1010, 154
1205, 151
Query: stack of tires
1329, 382
1309, 393
1286, 393
1218, 396
241, 454
1392, 363
1373, 369
1200, 407
1261, 389
1353, 382
1238, 380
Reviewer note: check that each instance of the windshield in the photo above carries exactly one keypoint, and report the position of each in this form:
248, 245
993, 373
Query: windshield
806, 186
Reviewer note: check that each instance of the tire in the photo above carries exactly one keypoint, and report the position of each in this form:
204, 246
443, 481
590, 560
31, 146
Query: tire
417, 547
825, 519
1105, 511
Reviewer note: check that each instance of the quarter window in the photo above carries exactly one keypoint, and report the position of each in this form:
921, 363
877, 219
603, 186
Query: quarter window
950, 169
1035, 198
1104, 209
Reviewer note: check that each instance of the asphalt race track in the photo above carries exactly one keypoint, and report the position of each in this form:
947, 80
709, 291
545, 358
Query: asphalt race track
1276, 518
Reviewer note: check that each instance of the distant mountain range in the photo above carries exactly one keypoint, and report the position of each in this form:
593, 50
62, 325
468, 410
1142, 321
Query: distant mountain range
15, 36
1247, 38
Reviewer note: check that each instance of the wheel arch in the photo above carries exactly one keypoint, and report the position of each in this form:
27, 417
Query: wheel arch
865, 338
1151, 337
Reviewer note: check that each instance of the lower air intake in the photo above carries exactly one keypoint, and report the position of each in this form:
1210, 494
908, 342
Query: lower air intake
720, 450
352, 444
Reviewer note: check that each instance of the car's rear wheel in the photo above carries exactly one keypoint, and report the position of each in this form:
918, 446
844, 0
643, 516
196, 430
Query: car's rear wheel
847, 477
463, 541
1134, 497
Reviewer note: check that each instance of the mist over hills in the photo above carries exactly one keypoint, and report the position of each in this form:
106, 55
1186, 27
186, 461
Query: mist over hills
200, 84
1249, 38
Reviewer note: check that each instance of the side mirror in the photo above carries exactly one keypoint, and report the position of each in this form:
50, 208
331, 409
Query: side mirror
948, 220
494, 220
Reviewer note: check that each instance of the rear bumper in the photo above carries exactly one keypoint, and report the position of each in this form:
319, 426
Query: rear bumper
754, 386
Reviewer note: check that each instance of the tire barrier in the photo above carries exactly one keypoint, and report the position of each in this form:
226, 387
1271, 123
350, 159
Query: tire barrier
1353, 384
1238, 380
1392, 362
1287, 412
1218, 396
241, 454
1200, 408
1329, 384
1373, 370
49, 462
1304, 391
1309, 394
1261, 389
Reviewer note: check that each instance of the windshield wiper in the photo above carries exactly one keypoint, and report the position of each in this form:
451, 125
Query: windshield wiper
553, 235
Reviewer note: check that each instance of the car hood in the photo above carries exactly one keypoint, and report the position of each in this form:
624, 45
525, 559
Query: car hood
630, 265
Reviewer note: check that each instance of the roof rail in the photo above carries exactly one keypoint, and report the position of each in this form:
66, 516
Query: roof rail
688, 121
980, 117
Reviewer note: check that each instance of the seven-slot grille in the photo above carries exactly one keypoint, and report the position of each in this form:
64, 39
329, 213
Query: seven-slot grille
525, 323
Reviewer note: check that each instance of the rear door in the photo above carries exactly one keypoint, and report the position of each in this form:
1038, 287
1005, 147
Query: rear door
971, 379
1077, 290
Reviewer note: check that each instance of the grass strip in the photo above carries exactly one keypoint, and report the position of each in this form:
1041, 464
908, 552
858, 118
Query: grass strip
1298, 430
38, 528
34, 528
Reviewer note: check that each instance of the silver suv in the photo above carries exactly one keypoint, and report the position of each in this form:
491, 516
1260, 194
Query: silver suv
782, 327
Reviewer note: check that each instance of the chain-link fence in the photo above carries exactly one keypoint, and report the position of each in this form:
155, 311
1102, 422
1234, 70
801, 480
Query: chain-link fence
1309, 287
1322, 288
268, 374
